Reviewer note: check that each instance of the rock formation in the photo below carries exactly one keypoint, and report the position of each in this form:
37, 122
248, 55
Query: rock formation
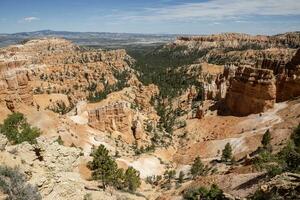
255, 89
286, 185
288, 81
15, 88
53, 65
236, 40
251, 90
114, 117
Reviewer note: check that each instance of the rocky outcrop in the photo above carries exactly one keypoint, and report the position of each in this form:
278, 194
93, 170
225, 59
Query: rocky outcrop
236, 40
251, 90
238, 49
118, 117
53, 65
55, 171
288, 82
113, 117
255, 89
15, 88
286, 185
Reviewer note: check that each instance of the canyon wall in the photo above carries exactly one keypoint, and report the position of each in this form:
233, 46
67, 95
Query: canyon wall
117, 116
53, 65
288, 83
15, 88
251, 90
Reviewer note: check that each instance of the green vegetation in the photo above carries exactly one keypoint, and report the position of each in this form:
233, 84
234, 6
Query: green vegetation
87, 196
266, 139
95, 96
17, 129
132, 179
166, 68
154, 180
181, 177
163, 67
198, 168
60, 141
214, 193
169, 175
167, 117
105, 169
287, 160
227, 153
61, 108
14, 185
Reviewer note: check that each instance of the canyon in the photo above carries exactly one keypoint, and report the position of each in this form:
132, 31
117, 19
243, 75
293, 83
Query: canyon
231, 88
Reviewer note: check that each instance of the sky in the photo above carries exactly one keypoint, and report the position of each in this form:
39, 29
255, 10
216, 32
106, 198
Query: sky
151, 16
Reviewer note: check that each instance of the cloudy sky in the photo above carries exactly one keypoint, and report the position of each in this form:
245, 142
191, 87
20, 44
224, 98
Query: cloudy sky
151, 16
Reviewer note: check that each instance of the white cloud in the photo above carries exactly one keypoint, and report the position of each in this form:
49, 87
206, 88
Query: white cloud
29, 19
216, 10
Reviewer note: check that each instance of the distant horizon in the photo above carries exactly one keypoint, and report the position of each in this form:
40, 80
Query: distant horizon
190, 34
190, 17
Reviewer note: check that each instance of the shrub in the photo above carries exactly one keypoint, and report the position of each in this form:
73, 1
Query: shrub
13, 184
60, 141
17, 129
214, 193
169, 175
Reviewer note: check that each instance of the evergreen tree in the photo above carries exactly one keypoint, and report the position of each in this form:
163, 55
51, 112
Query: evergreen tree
132, 179
197, 167
105, 169
227, 152
296, 137
103, 166
118, 180
181, 177
266, 139
17, 129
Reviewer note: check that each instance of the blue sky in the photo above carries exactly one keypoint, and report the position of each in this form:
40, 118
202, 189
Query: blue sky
151, 16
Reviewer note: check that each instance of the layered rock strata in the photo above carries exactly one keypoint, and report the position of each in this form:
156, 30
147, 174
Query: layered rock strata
252, 90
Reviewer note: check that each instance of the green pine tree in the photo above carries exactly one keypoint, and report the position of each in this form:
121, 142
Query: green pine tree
17, 129
227, 153
103, 166
266, 139
181, 177
197, 167
132, 179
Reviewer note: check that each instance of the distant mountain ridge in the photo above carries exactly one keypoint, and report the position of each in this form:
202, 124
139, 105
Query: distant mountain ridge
105, 39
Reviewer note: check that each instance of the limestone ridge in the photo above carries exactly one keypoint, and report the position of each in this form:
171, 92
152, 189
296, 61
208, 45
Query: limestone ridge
238, 40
